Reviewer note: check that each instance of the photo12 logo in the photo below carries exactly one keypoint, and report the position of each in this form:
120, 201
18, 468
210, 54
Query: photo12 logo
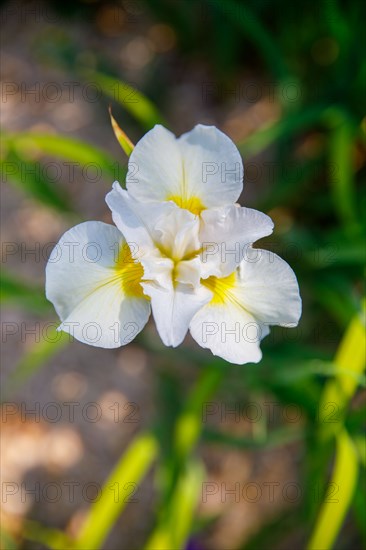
268, 491
67, 491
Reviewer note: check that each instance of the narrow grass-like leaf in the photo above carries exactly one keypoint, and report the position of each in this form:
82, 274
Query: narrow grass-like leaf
287, 185
117, 491
173, 531
350, 356
51, 538
360, 444
182, 484
342, 170
337, 302
30, 178
349, 361
253, 28
359, 504
335, 506
281, 130
344, 252
139, 106
122, 138
323, 368
70, 149
51, 343
189, 423
7, 541
13, 291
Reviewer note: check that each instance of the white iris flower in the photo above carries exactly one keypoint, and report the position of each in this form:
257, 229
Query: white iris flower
181, 248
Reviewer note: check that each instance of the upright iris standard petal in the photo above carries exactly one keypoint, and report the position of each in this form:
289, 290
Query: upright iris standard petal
213, 168
95, 286
263, 291
137, 220
202, 169
158, 227
226, 233
155, 166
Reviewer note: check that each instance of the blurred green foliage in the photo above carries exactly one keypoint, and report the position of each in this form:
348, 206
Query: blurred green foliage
317, 46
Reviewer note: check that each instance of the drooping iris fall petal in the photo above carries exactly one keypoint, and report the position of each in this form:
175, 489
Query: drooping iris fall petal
262, 291
95, 286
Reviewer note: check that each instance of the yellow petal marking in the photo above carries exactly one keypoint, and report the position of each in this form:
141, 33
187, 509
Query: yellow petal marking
193, 204
221, 288
130, 272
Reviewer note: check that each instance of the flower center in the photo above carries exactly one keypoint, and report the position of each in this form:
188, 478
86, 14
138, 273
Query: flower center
193, 204
130, 272
220, 287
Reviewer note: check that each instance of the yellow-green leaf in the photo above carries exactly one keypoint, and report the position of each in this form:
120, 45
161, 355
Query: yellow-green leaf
117, 491
173, 531
338, 499
133, 101
350, 358
51, 342
122, 138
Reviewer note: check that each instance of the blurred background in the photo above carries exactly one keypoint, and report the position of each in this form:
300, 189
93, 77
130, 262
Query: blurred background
147, 447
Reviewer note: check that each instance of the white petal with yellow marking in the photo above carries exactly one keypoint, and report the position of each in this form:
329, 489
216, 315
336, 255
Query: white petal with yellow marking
155, 166
263, 291
202, 169
213, 168
94, 285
